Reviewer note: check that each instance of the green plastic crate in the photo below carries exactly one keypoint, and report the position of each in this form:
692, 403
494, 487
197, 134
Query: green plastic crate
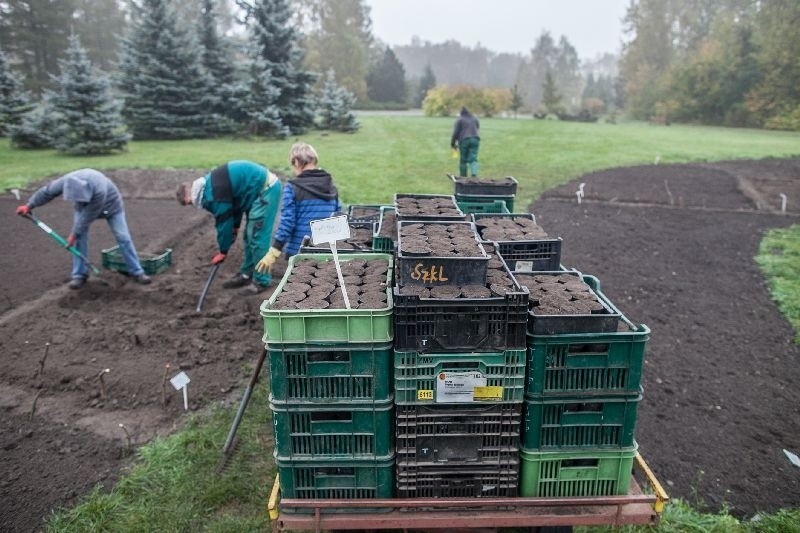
341, 479
151, 263
600, 364
419, 378
579, 422
495, 206
356, 373
487, 198
332, 431
330, 326
575, 474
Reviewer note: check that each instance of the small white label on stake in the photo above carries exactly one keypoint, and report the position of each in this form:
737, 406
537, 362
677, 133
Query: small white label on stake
180, 381
330, 230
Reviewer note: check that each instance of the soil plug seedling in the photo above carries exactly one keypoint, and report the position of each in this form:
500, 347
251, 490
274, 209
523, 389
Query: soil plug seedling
164, 398
127, 436
40, 370
102, 382
33, 407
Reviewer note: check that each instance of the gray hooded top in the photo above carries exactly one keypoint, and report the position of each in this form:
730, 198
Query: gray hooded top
93, 195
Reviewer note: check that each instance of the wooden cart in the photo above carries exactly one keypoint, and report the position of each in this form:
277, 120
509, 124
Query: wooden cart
642, 505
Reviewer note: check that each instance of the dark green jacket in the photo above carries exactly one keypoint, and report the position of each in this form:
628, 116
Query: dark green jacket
230, 191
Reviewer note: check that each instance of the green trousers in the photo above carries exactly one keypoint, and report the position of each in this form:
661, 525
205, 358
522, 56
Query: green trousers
468, 150
258, 232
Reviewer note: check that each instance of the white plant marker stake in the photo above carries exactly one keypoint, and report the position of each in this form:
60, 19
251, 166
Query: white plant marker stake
331, 230
783, 203
15, 192
578, 194
181, 381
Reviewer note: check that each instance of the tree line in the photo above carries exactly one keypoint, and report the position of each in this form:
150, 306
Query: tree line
200, 68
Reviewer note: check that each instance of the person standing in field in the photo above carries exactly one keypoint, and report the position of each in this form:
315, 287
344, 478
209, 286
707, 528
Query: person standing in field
93, 196
466, 137
230, 192
311, 195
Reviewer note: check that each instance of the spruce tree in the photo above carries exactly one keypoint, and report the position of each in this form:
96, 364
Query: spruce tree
90, 116
217, 59
14, 101
275, 45
165, 85
426, 83
335, 104
37, 127
260, 105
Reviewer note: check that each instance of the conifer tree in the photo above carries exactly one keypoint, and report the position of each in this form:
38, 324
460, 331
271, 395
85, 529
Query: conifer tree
335, 104
165, 85
386, 81
275, 44
14, 100
90, 116
37, 127
426, 83
260, 105
217, 58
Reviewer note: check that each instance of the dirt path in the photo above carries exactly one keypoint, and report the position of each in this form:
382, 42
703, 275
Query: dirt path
673, 247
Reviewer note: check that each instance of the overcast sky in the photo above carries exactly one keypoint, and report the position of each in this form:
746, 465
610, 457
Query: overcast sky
592, 26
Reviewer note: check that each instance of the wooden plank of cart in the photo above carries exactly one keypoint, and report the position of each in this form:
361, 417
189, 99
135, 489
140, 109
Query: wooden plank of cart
642, 505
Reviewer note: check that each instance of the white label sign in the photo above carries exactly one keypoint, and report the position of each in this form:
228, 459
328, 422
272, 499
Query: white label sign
180, 381
458, 387
330, 230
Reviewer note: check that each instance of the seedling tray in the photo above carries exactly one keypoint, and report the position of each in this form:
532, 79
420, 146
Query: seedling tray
151, 263
333, 431
482, 186
534, 255
313, 374
431, 270
459, 217
605, 321
363, 212
347, 246
313, 326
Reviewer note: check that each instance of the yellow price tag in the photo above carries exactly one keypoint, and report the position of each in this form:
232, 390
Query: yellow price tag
487, 393
424, 395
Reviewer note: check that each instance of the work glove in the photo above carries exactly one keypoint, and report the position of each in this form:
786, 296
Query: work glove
23, 210
217, 259
71, 240
268, 260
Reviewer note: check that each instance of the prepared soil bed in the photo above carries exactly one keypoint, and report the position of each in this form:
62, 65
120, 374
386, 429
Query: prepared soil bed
720, 379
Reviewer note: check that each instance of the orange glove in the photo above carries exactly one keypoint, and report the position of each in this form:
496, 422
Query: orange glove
23, 210
217, 259
71, 240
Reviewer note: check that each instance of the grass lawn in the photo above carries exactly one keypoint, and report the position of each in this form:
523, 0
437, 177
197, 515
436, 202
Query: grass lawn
412, 154
173, 486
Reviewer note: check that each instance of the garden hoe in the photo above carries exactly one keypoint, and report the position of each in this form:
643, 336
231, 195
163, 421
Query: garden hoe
204, 292
230, 444
63, 242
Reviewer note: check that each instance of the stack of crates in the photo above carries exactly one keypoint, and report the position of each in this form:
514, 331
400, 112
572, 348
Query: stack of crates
582, 393
459, 377
485, 195
331, 394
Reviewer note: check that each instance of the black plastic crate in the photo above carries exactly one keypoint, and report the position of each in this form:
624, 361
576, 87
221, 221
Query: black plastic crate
482, 186
363, 212
434, 270
458, 481
469, 435
457, 325
602, 321
457, 216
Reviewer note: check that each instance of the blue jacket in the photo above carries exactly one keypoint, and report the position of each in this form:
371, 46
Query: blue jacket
229, 193
310, 196
92, 193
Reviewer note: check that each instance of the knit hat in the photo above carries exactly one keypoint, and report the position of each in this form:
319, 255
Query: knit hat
198, 186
